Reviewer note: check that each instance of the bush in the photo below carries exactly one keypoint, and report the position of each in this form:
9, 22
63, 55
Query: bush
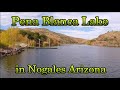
106, 39
90, 42
2, 45
45, 44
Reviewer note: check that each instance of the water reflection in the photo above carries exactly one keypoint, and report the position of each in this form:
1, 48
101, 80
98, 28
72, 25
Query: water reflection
65, 56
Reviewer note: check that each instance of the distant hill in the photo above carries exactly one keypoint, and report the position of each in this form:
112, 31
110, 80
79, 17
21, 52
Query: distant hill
57, 38
110, 39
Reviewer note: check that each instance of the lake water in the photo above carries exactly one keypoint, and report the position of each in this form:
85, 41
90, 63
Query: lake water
64, 56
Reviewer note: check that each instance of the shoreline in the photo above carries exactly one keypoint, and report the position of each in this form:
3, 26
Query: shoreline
10, 51
14, 51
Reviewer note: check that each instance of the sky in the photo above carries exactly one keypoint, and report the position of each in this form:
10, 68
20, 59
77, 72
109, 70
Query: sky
86, 32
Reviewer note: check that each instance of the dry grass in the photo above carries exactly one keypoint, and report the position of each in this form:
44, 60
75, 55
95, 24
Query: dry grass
111, 39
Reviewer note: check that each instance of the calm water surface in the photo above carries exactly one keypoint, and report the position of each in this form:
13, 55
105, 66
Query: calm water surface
64, 56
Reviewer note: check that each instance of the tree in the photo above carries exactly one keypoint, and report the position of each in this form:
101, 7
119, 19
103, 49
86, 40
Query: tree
36, 36
15, 36
43, 37
11, 37
2, 45
23, 32
30, 35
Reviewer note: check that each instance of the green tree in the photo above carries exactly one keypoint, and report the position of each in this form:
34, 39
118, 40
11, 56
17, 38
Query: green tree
36, 36
30, 35
23, 32
43, 37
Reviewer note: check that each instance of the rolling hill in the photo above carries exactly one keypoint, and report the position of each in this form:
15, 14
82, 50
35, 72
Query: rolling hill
57, 38
109, 39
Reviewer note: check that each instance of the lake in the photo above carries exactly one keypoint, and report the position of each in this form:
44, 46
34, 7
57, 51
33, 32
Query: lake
64, 56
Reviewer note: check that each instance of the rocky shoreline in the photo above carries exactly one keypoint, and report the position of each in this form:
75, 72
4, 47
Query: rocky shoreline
10, 51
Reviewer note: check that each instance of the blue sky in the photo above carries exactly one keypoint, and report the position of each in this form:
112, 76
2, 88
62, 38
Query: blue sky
86, 32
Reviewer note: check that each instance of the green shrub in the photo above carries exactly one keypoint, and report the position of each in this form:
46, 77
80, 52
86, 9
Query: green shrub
2, 45
106, 39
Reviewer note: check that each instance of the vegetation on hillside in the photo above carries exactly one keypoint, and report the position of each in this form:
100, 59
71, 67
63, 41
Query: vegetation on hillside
110, 39
31, 37
15, 36
57, 38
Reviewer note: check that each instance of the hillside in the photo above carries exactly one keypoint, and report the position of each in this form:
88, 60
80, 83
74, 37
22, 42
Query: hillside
57, 38
110, 39
31, 37
1, 30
